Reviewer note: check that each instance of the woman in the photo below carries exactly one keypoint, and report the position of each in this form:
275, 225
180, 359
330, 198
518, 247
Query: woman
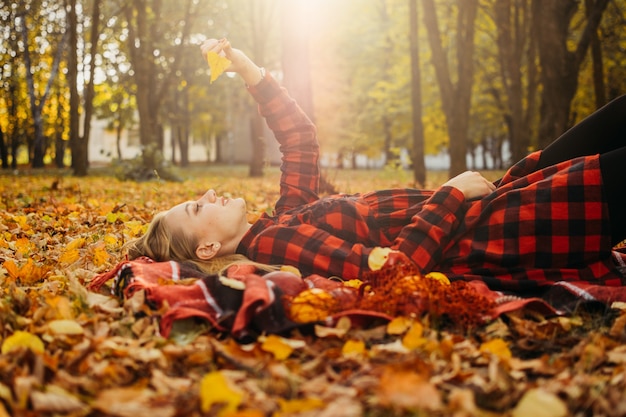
556, 215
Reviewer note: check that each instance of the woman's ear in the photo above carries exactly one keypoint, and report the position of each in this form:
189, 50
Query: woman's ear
206, 251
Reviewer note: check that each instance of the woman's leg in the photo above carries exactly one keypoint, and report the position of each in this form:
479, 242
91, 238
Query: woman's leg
601, 132
612, 167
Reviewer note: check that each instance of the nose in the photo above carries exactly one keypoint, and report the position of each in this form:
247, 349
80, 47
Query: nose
210, 196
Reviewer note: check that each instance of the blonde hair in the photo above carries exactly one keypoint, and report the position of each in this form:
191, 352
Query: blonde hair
160, 243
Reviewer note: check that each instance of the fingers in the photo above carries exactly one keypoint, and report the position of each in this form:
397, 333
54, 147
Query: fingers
214, 45
472, 184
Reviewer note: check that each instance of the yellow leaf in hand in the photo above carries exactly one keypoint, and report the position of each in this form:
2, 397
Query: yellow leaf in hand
215, 390
22, 339
217, 64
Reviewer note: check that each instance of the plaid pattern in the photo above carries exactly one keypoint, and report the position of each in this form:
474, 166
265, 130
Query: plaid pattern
537, 227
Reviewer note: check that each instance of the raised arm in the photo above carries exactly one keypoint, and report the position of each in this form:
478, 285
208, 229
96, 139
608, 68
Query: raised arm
293, 130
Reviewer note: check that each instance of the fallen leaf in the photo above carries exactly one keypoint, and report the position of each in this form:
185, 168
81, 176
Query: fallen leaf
353, 349
276, 346
497, 347
22, 339
68, 327
406, 390
288, 407
215, 390
377, 258
399, 325
540, 403
414, 337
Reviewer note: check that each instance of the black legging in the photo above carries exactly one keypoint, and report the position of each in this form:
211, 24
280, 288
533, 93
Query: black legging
604, 133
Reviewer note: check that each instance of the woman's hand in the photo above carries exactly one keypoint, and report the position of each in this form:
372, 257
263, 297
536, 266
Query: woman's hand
240, 63
471, 184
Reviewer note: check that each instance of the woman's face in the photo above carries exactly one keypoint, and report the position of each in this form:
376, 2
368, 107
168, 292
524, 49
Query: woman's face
210, 218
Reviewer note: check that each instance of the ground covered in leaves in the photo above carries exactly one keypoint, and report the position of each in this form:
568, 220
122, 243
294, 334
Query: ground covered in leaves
67, 351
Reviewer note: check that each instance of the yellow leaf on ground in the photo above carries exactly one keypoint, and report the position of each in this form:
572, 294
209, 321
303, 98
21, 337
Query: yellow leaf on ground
75, 244
353, 348
22, 339
413, 338
100, 255
215, 390
69, 256
217, 63
497, 347
298, 405
276, 346
23, 246
399, 325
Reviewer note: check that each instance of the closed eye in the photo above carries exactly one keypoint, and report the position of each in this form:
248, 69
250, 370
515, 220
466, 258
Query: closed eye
198, 207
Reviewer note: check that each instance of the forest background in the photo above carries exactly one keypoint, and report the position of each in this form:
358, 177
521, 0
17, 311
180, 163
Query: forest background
376, 76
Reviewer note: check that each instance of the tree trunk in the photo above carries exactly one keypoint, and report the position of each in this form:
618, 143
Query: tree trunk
456, 98
4, 152
512, 23
72, 80
560, 66
36, 105
258, 145
597, 61
144, 23
80, 160
59, 144
417, 155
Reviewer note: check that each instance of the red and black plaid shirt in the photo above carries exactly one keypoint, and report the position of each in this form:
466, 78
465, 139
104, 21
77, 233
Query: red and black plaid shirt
537, 227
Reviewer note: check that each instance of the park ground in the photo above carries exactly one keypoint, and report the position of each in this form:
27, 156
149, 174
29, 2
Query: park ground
68, 351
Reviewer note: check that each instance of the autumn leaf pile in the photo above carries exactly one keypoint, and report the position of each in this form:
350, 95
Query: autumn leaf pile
67, 351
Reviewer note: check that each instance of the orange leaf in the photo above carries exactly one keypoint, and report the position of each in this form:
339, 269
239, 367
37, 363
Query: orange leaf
11, 268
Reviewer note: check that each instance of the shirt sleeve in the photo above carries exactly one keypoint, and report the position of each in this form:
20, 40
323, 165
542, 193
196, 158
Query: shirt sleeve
297, 139
316, 251
432, 229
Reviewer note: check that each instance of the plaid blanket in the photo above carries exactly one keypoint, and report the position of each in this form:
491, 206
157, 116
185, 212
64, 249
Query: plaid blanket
245, 303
